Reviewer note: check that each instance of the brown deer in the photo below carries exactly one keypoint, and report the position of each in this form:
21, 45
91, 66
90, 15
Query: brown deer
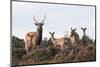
59, 41
74, 37
33, 39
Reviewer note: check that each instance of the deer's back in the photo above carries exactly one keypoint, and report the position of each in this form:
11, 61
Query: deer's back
59, 41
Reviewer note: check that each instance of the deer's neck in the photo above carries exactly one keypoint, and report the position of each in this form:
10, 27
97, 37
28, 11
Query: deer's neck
84, 33
39, 34
76, 37
53, 38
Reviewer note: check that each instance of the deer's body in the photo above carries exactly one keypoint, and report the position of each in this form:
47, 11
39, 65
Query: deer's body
33, 39
58, 41
74, 37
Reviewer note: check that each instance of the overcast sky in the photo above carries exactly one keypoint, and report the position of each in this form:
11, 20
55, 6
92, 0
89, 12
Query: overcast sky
59, 18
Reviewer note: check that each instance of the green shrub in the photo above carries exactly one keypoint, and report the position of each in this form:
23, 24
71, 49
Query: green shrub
43, 54
40, 55
51, 51
17, 42
17, 54
87, 54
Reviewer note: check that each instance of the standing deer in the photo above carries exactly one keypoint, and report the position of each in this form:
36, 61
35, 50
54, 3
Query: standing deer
33, 39
59, 41
85, 38
74, 37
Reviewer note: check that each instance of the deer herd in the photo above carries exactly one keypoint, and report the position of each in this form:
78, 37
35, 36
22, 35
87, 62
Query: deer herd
33, 39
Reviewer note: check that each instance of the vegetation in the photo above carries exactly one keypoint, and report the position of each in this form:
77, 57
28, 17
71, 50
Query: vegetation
50, 54
17, 43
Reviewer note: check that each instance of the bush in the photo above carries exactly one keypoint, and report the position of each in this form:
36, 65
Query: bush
17, 54
54, 55
17, 42
52, 51
87, 54
39, 55
43, 54
60, 57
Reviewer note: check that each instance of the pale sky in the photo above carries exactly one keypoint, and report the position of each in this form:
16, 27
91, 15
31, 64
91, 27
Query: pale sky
59, 18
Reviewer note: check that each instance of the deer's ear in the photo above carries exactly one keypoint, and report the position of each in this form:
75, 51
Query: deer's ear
53, 32
75, 29
49, 32
85, 28
36, 23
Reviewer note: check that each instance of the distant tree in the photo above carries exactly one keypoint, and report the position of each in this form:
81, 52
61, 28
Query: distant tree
17, 42
45, 39
66, 34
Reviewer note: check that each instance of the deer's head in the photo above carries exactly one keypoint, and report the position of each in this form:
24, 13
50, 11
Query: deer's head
72, 31
52, 34
39, 24
84, 29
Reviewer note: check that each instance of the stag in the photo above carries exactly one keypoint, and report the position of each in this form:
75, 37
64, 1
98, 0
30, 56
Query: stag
58, 41
33, 39
74, 37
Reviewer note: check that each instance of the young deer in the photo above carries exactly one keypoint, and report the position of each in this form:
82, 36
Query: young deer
59, 41
74, 37
33, 39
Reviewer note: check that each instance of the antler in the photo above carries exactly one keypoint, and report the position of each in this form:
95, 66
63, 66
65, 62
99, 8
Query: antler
43, 19
35, 20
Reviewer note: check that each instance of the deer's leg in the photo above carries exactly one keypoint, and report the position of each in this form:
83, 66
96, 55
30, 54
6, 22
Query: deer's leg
29, 45
33, 44
62, 46
26, 46
54, 45
37, 46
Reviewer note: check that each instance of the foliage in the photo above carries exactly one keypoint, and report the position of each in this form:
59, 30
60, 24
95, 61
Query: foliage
87, 53
17, 43
43, 54
17, 54
50, 54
